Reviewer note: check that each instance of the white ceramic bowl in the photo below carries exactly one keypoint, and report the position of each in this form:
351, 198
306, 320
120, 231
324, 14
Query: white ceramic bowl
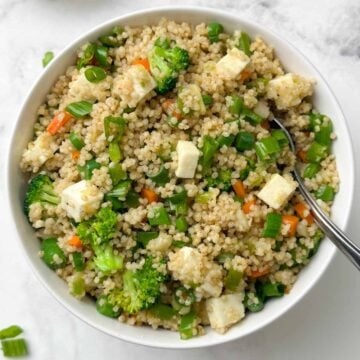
293, 60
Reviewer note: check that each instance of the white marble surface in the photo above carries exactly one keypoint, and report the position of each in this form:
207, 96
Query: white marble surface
325, 325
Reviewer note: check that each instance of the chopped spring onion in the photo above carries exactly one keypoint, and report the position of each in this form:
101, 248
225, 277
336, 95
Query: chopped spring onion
76, 141
178, 243
325, 193
101, 55
237, 105
116, 173
115, 153
78, 260
104, 307
316, 152
209, 149
316, 240
272, 225
280, 136
252, 117
52, 254
214, 30
187, 327
184, 296
223, 257
267, 148
95, 74
244, 141
143, 237
225, 140
207, 100
116, 131
244, 43
14, 347
244, 173
118, 30
48, 56
161, 178
232, 279
181, 224
311, 170
79, 109
255, 306
111, 40
203, 198
162, 311
10, 332
159, 216
129, 110
272, 289
87, 56
120, 191
86, 171
132, 199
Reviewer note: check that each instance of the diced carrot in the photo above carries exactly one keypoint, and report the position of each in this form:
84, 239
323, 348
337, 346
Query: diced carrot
302, 155
265, 125
292, 221
170, 108
245, 74
248, 205
59, 120
259, 273
144, 62
239, 189
75, 154
304, 212
150, 195
75, 241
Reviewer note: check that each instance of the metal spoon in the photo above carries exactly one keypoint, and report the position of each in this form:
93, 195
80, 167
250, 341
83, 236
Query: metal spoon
332, 231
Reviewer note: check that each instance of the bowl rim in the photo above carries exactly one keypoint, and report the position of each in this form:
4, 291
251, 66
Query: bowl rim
202, 11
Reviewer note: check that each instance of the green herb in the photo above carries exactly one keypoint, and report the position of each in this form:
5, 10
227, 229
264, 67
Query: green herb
325, 193
203, 198
272, 225
115, 154
87, 56
52, 254
159, 216
209, 149
232, 279
178, 243
78, 260
311, 170
207, 100
161, 178
244, 141
144, 237
214, 30
14, 348
244, 43
76, 141
10, 332
48, 56
79, 109
244, 173
225, 140
181, 224
223, 257
95, 74
86, 171
316, 240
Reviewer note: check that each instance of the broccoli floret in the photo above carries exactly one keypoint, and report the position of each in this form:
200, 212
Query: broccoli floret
40, 190
165, 65
106, 260
99, 229
141, 288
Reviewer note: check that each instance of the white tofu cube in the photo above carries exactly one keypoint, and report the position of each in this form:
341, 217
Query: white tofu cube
288, 90
277, 191
225, 311
262, 109
232, 64
188, 156
133, 85
81, 199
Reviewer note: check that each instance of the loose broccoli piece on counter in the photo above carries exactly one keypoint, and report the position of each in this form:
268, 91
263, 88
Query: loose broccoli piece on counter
99, 229
141, 288
165, 65
40, 190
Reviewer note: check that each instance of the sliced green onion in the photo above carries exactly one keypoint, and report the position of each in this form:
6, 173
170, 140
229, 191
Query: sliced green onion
223, 257
280, 136
266, 148
14, 348
95, 74
184, 296
316, 152
161, 178
209, 149
144, 237
187, 327
273, 289
86, 171
244, 173
78, 260
272, 225
111, 40
76, 141
101, 55
316, 240
207, 100
251, 306
120, 191
118, 30
244, 141
119, 127
162, 311
79, 109
237, 105
232, 279
115, 154
132, 199
52, 254
311, 170
178, 243
104, 307
214, 30
178, 198
159, 216
48, 56
10, 332
87, 56
129, 110
238, 199
203, 198
325, 193
225, 140
116, 173
252, 117
181, 224
244, 43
